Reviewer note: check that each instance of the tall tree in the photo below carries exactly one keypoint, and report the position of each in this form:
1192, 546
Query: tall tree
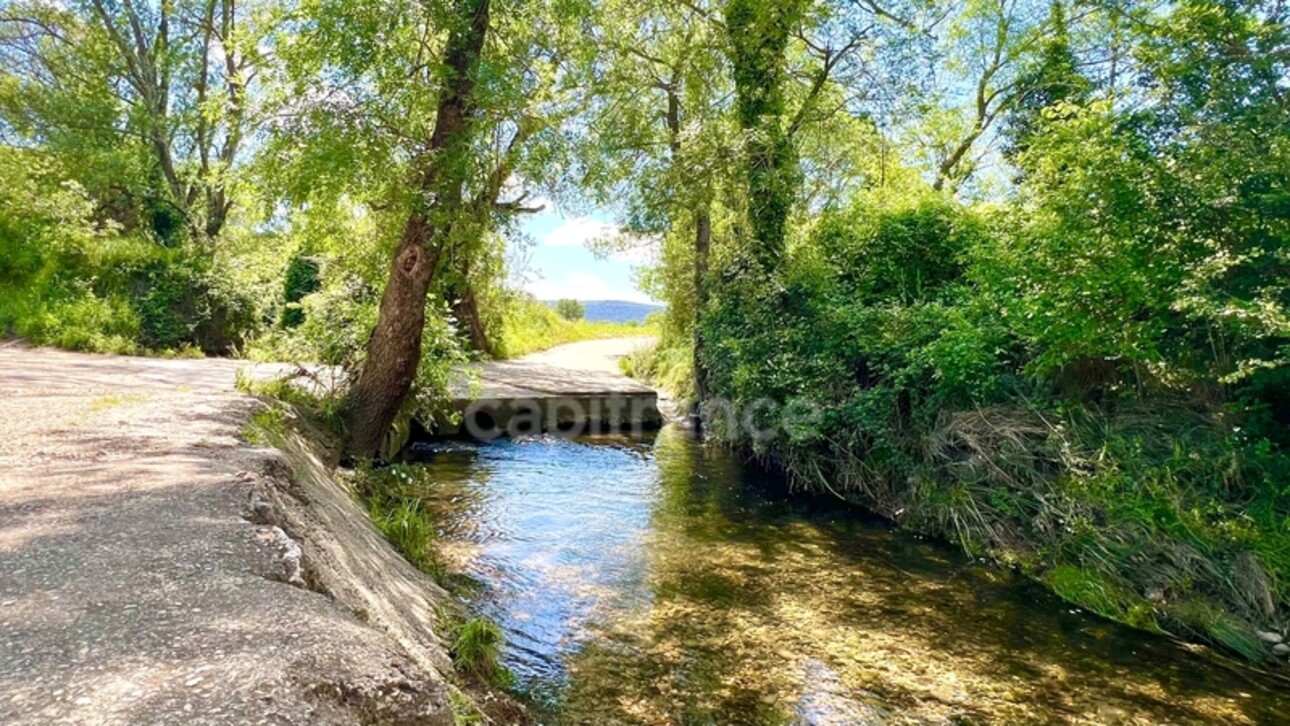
442, 171
167, 82
658, 156
758, 35
1053, 79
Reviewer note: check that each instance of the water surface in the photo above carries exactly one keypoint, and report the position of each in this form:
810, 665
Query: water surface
658, 581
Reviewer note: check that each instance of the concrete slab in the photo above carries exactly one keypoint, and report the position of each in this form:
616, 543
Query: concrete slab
570, 388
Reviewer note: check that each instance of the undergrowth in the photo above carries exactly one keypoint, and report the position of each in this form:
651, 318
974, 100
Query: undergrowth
399, 515
477, 649
665, 365
1151, 492
409, 528
325, 408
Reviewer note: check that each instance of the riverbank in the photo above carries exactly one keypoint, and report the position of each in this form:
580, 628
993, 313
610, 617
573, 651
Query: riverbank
154, 568
656, 580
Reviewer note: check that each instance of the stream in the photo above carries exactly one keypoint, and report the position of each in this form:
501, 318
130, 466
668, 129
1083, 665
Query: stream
658, 581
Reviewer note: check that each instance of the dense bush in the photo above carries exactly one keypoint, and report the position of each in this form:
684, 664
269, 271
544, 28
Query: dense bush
570, 309
77, 281
965, 387
301, 278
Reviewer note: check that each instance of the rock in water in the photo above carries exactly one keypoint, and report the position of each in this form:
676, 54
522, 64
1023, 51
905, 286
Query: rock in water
1268, 636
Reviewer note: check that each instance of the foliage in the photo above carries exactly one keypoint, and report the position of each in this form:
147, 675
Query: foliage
267, 427
147, 104
301, 279
995, 430
570, 309
667, 365
758, 37
1053, 81
79, 282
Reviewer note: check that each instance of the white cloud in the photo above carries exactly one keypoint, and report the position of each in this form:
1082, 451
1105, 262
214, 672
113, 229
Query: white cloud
582, 286
578, 231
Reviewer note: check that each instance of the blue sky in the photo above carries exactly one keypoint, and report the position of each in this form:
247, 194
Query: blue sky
561, 265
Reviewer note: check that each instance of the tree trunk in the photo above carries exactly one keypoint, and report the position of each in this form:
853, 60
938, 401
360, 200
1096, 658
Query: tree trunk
759, 33
395, 347
465, 307
702, 243
394, 350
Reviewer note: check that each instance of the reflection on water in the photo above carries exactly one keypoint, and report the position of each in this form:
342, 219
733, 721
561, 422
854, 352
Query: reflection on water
653, 582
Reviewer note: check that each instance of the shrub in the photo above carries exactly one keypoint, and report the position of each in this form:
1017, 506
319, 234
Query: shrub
303, 277
570, 309
967, 405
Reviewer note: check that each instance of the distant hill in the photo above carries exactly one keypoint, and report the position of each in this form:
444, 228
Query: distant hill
614, 311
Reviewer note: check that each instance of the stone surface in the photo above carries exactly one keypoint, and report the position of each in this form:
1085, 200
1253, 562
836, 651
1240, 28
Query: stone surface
576, 384
135, 589
577, 369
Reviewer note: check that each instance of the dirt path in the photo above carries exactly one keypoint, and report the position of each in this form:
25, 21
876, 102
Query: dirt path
590, 355
133, 588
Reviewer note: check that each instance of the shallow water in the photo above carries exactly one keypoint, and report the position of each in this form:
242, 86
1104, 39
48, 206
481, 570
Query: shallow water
654, 581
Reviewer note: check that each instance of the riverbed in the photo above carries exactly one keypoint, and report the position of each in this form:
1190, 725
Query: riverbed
656, 580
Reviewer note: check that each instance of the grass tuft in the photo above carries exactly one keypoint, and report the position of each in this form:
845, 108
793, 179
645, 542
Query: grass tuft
267, 427
409, 529
478, 649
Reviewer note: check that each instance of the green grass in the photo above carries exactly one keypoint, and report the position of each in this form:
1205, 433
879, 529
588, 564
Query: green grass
670, 367
464, 710
326, 410
477, 650
529, 326
267, 427
84, 322
409, 529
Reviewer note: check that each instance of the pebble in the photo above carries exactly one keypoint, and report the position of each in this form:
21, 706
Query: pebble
1268, 636
1281, 649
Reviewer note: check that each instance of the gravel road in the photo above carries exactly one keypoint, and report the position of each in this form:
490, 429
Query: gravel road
134, 590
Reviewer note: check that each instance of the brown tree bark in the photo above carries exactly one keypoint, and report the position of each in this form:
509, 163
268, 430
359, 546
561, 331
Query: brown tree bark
465, 308
702, 243
394, 349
